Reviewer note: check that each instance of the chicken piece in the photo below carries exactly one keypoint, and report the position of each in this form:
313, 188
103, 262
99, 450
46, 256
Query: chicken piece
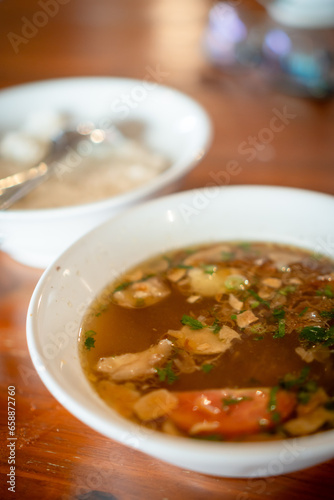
121, 397
155, 404
207, 256
266, 293
272, 282
185, 363
136, 365
318, 398
246, 318
283, 259
306, 355
310, 422
176, 274
142, 293
222, 281
227, 334
294, 281
319, 353
230, 412
234, 302
193, 298
202, 341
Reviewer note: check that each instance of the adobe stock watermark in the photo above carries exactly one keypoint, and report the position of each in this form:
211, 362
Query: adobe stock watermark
123, 104
250, 147
325, 245
290, 452
120, 108
59, 340
30, 27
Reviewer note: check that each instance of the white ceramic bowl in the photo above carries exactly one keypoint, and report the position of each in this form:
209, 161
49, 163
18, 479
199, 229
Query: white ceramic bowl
275, 214
175, 126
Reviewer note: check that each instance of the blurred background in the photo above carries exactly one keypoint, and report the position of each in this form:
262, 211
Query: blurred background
240, 64
267, 84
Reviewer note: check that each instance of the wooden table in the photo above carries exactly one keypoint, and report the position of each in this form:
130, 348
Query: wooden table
57, 457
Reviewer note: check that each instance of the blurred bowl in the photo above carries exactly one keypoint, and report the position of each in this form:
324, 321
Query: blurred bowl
247, 213
175, 126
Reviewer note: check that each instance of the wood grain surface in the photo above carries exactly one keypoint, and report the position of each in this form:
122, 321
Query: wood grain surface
57, 457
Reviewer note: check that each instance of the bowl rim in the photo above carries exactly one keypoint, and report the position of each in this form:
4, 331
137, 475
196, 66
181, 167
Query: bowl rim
261, 449
176, 170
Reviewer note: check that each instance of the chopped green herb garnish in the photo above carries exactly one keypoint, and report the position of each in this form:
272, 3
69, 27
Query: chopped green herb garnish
276, 417
287, 289
125, 284
290, 381
234, 282
304, 393
245, 245
192, 322
122, 286
327, 314
258, 298
89, 339
303, 311
281, 330
234, 401
208, 437
207, 367
325, 292
209, 269
184, 266
255, 304
318, 335
167, 259
216, 326
234, 317
258, 337
272, 404
167, 374
227, 255
278, 313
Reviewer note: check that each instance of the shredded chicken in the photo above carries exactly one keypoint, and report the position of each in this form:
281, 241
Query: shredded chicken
234, 302
283, 259
121, 397
155, 404
309, 423
221, 281
318, 353
272, 282
208, 255
204, 427
142, 293
246, 318
203, 341
170, 428
185, 363
176, 274
135, 365
306, 355
193, 298
227, 334
318, 398
265, 293
295, 281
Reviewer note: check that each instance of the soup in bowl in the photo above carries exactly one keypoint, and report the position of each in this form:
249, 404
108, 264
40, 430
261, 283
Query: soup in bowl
199, 332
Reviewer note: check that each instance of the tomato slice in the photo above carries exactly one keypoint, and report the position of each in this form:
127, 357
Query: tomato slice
231, 412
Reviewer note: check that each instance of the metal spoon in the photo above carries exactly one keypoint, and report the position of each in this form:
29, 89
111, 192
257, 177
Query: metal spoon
16, 186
